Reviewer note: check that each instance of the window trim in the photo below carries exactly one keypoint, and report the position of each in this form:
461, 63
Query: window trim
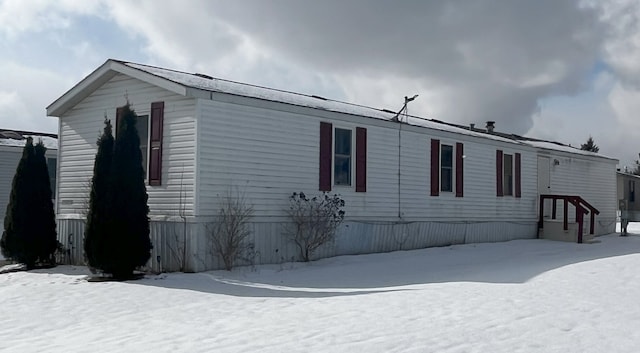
516, 174
453, 168
145, 158
351, 157
457, 167
358, 155
506, 191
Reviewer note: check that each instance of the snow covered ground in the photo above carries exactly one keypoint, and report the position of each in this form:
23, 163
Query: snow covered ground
518, 296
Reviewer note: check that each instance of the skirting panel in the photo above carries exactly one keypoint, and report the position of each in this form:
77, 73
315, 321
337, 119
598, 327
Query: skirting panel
187, 246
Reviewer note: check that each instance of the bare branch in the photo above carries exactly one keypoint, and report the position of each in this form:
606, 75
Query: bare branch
314, 221
229, 231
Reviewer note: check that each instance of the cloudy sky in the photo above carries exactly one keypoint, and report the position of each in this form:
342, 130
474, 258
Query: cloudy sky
554, 69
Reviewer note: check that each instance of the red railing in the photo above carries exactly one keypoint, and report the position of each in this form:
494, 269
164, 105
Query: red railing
582, 208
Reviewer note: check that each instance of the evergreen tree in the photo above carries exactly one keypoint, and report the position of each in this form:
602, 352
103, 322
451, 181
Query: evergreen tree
590, 146
98, 213
44, 217
128, 243
29, 234
17, 225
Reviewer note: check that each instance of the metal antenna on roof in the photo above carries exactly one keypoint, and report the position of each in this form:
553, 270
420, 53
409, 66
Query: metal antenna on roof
404, 109
397, 118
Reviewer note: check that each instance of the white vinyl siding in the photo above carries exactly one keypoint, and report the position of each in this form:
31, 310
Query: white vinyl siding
81, 126
254, 147
592, 178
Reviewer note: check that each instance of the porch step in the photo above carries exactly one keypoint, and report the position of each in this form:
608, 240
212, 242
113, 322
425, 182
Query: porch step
553, 230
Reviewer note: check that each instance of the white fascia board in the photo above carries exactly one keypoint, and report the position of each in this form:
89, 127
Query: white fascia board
161, 82
99, 77
81, 90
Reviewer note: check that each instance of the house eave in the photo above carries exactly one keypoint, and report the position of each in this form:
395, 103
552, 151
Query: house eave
99, 77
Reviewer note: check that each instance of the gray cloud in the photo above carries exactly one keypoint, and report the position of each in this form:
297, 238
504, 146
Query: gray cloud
470, 61
496, 58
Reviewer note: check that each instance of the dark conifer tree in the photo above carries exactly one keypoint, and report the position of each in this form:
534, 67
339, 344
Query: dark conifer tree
16, 221
590, 146
96, 229
128, 242
29, 236
43, 215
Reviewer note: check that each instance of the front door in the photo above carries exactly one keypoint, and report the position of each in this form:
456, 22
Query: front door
544, 183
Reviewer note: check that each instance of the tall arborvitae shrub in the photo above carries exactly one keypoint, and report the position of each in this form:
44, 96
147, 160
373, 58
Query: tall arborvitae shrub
44, 217
127, 243
29, 234
96, 229
17, 222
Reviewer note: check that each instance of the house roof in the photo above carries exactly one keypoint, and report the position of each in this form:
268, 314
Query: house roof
627, 174
18, 138
194, 84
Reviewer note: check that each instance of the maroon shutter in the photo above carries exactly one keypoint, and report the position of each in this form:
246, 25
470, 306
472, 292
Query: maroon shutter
361, 159
155, 150
499, 191
459, 170
326, 131
435, 167
518, 176
119, 112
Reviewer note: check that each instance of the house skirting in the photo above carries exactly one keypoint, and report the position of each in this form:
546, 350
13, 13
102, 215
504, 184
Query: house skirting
184, 246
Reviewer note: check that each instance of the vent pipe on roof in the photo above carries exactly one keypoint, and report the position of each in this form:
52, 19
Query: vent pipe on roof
491, 125
472, 126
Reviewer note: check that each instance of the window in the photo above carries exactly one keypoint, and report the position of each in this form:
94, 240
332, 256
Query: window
150, 132
507, 178
342, 157
444, 177
52, 166
632, 191
508, 174
339, 155
446, 168
142, 125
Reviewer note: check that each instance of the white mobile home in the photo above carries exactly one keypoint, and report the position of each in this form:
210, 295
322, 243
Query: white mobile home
11, 146
407, 184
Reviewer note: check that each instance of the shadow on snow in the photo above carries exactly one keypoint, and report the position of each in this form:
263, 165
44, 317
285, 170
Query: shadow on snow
514, 262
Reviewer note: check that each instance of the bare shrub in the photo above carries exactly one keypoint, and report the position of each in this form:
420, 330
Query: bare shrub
314, 221
229, 231
178, 249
